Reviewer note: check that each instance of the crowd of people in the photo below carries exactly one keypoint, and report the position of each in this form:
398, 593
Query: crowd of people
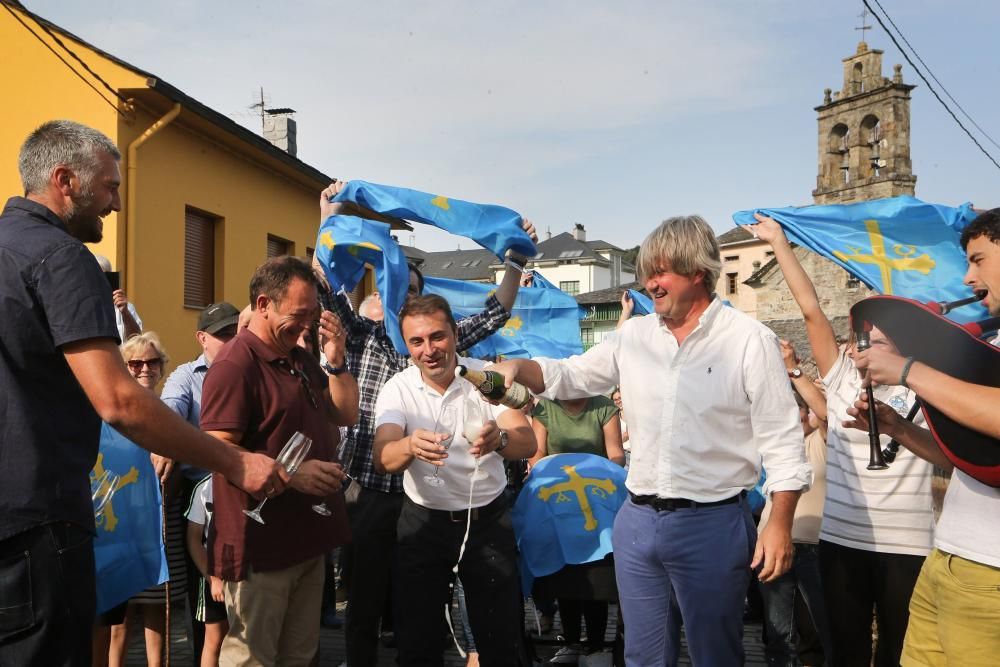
300, 431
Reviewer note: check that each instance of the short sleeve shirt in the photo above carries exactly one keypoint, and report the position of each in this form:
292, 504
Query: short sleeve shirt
52, 293
582, 433
410, 403
252, 389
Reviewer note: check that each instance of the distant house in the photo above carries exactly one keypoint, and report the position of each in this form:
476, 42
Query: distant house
603, 307
742, 256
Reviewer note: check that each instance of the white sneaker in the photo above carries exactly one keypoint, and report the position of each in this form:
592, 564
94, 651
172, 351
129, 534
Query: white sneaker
567, 655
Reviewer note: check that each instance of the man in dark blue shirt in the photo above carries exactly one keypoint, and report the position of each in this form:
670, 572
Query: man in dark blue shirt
60, 374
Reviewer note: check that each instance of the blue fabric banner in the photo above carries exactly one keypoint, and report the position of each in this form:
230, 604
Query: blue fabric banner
899, 246
346, 243
544, 322
565, 513
641, 304
495, 228
128, 551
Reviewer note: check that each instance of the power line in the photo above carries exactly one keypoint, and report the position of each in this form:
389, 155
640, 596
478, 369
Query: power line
964, 112
64, 61
930, 87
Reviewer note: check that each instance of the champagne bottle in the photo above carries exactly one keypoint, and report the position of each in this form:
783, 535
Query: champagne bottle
491, 385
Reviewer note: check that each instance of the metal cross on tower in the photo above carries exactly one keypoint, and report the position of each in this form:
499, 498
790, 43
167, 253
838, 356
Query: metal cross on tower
864, 22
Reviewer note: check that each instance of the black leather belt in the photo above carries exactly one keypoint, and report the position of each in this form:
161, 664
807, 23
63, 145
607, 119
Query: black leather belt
671, 504
488, 511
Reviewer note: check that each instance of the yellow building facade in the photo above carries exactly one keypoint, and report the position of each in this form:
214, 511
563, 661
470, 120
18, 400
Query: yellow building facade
204, 200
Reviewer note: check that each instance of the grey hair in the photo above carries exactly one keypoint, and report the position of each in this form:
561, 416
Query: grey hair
62, 142
366, 305
684, 245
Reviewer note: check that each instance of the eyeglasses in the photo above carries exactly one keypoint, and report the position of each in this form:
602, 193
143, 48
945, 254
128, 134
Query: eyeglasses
135, 365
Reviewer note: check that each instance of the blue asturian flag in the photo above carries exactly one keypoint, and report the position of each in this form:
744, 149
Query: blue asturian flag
641, 304
345, 244
899, 246
128, 551
544, 322
565, 513
496, 228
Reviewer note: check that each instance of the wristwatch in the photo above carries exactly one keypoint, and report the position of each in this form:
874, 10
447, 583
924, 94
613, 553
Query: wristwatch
331, 370
795, 373
503, 441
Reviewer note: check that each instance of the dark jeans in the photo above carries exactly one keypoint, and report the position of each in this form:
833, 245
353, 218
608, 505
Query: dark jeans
594, 612
373, 519
802, 579
48, 596
426, 551
854, 583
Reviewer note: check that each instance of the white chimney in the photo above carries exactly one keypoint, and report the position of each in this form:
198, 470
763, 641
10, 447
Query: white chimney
280, 129
579, 233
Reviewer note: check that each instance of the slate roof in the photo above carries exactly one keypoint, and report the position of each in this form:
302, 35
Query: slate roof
459, 264
734, 235
566, 248
609, 295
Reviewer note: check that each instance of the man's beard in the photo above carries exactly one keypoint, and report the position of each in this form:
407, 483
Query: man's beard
86, 227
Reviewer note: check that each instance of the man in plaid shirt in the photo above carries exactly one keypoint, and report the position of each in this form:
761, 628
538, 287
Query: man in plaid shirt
372, 359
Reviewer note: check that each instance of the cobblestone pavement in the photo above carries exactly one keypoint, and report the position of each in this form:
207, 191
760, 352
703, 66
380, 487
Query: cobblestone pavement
332, 644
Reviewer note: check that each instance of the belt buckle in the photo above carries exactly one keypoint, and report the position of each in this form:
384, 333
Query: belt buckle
461, 515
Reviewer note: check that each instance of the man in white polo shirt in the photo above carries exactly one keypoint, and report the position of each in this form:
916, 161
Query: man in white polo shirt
445, 496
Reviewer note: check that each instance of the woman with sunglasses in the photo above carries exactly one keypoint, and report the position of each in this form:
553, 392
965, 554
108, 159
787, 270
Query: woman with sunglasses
145, 357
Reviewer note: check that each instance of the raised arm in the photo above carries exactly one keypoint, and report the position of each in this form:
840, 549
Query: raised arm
507, 291
822, 338
342, 389
803, 384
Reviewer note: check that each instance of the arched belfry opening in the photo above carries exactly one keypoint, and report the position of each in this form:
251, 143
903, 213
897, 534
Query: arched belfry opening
864, 134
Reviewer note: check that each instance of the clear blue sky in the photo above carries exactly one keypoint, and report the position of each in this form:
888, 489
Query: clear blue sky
613, 115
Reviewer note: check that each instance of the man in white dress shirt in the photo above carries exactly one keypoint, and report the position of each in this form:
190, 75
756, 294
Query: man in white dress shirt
444, 494
707, 399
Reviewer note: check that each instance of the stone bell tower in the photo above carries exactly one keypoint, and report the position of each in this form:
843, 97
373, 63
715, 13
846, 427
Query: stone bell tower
864, 134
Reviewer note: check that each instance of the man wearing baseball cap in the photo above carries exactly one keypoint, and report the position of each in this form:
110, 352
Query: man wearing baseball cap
182, 394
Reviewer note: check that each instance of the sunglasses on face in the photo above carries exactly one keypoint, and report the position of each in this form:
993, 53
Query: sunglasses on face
135, 365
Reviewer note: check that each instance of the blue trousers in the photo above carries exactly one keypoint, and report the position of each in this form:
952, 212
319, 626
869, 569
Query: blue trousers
687, 566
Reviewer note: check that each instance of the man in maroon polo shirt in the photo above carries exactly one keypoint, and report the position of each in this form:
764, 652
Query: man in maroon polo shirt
259, 391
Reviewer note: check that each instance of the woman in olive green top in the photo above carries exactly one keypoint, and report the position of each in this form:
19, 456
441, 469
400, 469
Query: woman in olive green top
581, 426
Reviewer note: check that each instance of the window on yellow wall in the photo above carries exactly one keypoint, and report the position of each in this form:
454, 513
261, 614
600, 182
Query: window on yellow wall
277, 246
199, 258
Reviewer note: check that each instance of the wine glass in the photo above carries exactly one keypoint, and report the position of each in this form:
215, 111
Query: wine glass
475, 419
446, 424
290, 457
102, 487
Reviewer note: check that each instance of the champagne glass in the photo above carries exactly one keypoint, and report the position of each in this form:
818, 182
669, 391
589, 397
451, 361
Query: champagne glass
446, 424
102, 487
290, 457
475, 419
